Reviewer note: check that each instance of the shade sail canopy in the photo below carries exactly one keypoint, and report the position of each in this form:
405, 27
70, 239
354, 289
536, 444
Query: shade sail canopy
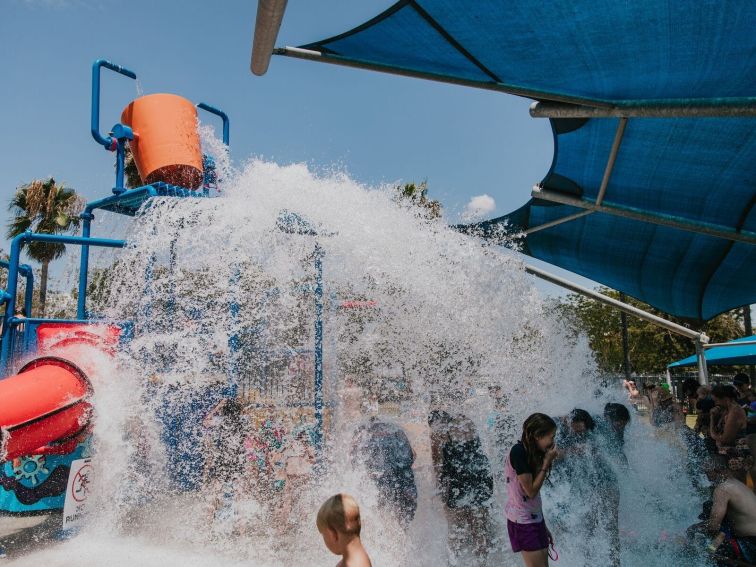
736, 355
660, 207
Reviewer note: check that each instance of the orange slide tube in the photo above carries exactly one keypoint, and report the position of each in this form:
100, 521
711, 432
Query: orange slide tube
46, 402
166, 144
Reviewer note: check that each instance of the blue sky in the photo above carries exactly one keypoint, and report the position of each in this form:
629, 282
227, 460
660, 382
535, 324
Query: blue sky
378, 127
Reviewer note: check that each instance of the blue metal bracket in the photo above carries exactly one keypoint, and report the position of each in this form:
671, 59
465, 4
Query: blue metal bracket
217, 112
110, 143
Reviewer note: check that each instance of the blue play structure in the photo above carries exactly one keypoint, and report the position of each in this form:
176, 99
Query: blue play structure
37, 483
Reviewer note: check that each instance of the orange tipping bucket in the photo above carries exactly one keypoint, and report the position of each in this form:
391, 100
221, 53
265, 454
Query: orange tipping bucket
166, 144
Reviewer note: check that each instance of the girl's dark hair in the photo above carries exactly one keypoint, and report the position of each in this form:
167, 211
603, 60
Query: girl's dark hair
616, 412
581, 416
721, 391
536, 426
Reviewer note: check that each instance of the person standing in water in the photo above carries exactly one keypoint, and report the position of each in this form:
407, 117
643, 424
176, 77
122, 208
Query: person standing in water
527, 467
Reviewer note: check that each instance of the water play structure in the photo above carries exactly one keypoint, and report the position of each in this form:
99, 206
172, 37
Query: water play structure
363, 307
45, 404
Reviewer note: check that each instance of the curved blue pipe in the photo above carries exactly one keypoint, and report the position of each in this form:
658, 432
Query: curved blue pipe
95, 122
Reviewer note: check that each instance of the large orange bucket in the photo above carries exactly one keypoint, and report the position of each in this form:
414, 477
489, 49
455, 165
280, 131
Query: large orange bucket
46, 402
166, 144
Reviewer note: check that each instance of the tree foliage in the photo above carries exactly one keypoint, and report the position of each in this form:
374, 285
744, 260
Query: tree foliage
417, 196
652, 348
46, 207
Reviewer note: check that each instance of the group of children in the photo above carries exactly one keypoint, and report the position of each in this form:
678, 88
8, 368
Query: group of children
527, 467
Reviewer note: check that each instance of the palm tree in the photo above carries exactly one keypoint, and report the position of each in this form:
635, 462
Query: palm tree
45, 207
417, 195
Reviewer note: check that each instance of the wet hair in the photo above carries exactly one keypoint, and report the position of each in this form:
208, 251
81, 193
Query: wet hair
690, 387
741, 379
439, 417
536, 426
616, 412
581, 416
340, 513
721, 391
232, 408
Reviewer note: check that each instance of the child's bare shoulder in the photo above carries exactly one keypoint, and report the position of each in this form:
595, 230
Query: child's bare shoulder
360, 560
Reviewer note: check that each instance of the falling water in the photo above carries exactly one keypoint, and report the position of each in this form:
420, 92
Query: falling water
220, 294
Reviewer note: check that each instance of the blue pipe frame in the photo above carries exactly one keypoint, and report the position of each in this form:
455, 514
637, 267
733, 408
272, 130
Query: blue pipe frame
109, 143
9, 319
218, 112
87, 216
26, 271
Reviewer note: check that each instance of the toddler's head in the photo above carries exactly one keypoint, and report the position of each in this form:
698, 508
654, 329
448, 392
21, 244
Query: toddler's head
339, 522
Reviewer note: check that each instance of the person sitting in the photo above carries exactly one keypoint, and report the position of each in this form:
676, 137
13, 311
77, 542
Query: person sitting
666, 410
728, 429
689, 391
742, 383
733, 511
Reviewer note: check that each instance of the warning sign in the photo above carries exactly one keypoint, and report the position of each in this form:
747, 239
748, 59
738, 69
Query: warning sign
79, 485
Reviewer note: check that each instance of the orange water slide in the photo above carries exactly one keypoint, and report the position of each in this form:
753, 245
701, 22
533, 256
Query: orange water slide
45, 403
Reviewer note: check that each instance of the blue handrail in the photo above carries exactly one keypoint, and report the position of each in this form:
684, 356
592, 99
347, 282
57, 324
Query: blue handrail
26, 271
108, 142
9, 319
218, 112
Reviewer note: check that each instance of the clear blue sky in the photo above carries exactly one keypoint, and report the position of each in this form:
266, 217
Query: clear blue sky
377, 127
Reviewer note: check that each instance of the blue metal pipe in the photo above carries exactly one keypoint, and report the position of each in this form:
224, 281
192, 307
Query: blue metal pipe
63, 239
10, 306
319, 349
81, 303
234, 339
95, 122
29, 291
8, 333
218, 112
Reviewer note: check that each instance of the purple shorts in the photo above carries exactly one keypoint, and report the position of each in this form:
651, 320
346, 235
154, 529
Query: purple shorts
527, 537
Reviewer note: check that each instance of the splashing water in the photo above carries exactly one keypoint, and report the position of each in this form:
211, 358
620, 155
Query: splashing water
415, 316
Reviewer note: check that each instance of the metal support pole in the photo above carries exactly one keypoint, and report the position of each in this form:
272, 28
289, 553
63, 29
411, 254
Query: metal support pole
612, 160
120, 166
234, 340
318, 349
626, 307
625, 341
8, 331
709, 229
81, 305
29, 291
547, 109
703, 371
270, 14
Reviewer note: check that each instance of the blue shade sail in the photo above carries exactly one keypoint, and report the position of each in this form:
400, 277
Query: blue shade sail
674, 181
736, 355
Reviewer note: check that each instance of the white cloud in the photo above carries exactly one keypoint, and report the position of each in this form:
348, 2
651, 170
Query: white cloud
478, 207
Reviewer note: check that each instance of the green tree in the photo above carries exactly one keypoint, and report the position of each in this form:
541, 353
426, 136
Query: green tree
45, 207
651, 347
130, 171
417, 196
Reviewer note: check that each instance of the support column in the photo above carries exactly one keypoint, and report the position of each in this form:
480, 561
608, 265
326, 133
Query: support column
703, 371
625, 341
